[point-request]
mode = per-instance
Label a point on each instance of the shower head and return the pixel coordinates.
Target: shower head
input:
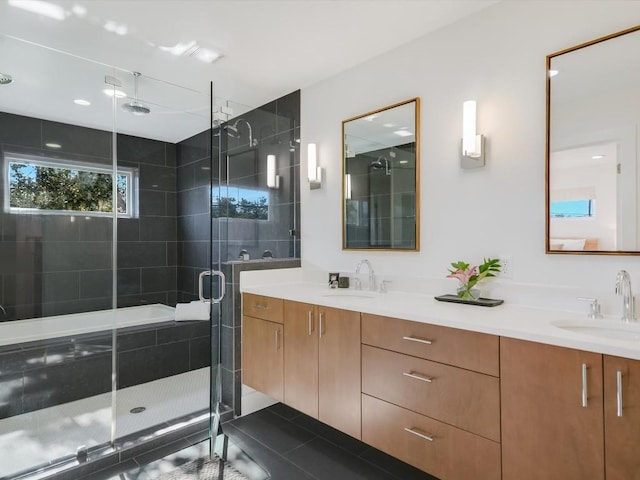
(5, 79)
(230, 129)
(381, 163)
(135, 107)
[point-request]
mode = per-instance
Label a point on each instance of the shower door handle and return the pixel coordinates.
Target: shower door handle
(211, 273)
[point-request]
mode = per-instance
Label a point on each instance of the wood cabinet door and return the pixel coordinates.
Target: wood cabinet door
(301, 357)
(340, 370)
(262, 356)
(622, 418)
(547, 432)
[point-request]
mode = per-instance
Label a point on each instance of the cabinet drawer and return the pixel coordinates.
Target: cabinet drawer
(266, 308)
(468, 400)
(470, 350)
(452, 454)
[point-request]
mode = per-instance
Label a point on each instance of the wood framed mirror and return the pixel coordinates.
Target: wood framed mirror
(592, 151)
(381, 179)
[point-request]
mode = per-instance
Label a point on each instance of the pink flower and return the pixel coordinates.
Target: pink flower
(464, 275)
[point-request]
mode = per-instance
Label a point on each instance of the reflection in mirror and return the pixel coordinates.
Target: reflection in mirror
(593, 114)
(381, 179)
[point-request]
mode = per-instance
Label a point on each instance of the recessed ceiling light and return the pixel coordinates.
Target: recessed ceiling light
(39, 7)
(205, 55)
(79, 10)
(370, 118)
(115, 27)
(53, 145)
(114, 93)
(389, 125)
(404, 161)
(84, 103)
(597, 157)
(553, 73)
(403, 133)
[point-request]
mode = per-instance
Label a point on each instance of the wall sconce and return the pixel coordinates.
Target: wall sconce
(472, 143)
(314, 173)
(273, 180)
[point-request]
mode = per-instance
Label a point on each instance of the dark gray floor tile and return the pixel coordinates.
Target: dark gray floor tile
(392, 465)
(342, 440)
(112, 473)
(273, 430)
(284, 411)
(325, 461)
(274, 464)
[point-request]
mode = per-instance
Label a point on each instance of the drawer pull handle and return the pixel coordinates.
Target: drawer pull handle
(585, 386)
(310, 322)
(619, 393)
(419, 340)
(419, 434)
(260, 307)
(418, 376)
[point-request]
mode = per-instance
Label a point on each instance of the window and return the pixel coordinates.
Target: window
(572, 209)
(56, 186)
(239, 202)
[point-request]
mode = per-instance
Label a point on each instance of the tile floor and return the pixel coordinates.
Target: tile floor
(280, 443)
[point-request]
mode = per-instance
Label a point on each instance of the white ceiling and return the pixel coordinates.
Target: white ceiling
(270, 48)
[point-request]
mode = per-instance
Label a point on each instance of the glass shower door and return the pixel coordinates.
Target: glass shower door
(57, 254)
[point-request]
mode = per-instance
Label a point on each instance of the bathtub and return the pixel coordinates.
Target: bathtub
(20, 331)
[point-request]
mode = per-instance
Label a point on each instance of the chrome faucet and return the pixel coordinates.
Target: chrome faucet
(623, 287)
(372, 275)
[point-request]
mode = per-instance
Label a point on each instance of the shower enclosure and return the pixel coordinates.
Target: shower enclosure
(105, 227)
(122, 197)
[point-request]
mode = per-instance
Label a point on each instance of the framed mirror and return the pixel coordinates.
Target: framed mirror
(592, 171)
(381, 179)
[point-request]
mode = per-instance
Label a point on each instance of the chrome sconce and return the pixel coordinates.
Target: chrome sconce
(314, 172)
(472, 143)
(273, 180)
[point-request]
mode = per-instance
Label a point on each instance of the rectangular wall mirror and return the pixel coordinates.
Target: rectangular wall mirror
(593, 122)
(381, 179)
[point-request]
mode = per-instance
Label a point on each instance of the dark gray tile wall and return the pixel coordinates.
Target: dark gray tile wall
(59, 264)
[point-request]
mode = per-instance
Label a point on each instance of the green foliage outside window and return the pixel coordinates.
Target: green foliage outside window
(67, 189)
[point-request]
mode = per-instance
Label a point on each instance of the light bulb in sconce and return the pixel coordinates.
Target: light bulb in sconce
(273, 180)
(347, 186)
(314, 172)
(472, 143)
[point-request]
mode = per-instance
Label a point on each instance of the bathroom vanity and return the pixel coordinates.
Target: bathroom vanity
(457, 391)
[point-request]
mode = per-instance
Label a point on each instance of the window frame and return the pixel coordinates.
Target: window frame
(130, 173)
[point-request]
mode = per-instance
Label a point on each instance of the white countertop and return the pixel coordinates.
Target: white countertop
(505, 320)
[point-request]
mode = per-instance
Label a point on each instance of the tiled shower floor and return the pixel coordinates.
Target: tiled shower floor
(38, 437)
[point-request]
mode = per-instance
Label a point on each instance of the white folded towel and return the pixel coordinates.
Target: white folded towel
(195, 310)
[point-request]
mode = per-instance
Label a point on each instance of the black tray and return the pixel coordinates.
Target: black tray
(483, 302)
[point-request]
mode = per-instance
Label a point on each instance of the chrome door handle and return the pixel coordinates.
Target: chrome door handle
(310, 322)
(419, 434)
(277, 339)
(419, 340)
(321, 327)
(585, 386)
(211, 273)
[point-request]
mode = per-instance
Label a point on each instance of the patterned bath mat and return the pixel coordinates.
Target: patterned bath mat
(204, 469)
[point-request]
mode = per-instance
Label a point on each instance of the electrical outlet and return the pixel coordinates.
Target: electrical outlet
(506, 263)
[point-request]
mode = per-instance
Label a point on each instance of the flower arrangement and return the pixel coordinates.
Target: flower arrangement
(469, 276)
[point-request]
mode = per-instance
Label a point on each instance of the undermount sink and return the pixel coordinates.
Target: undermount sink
(612, 329)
